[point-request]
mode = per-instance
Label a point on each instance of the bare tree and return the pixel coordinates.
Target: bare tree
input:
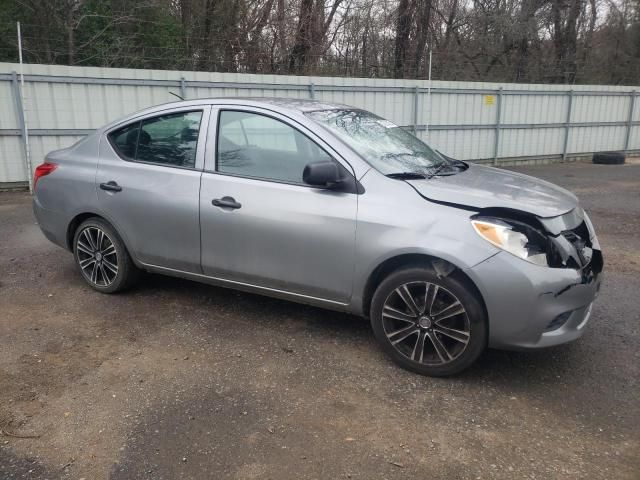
(565, 37)
(513, 40)
(403, 31)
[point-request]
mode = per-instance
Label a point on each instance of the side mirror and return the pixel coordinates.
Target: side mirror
(321, 174)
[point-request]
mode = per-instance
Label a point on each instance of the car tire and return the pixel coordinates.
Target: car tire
(102, 258)
(609, 158)
(441, 334)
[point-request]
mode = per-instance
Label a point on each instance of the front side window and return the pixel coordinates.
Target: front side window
(169, 139)
(255, 145)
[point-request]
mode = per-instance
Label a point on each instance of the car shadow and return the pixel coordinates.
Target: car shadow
(546, 379)
(495, 366)
(266, 311)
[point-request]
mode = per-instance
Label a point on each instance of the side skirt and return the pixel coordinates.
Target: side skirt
(247, 287)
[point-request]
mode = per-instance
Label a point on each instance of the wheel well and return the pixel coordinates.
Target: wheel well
(78, 219)
(75, 223)
(438, 265)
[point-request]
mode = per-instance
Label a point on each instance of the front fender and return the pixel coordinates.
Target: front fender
(401, 222)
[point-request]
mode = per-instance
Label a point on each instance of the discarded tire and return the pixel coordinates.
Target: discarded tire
(609, 158)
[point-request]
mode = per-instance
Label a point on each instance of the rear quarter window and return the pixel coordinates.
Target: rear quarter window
(125, 140)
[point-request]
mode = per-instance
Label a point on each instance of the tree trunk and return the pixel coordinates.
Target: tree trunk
(403, 29)
(71, 44)
(204, 61)
(185, 22)
(253, 50)
(231, 36)
(588, 42)
(565, 38)
(282, 37)
(422, 33)
(526, 32)
(302, 44)
(365, 41)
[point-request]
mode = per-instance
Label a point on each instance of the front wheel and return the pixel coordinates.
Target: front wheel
(102, 257)
(431, 325)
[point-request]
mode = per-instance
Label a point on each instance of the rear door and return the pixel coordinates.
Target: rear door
(261, 225)
(148, 185)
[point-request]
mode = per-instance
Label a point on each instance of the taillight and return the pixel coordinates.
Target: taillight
(42, 171)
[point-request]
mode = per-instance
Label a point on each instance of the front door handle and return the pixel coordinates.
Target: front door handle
(226, 202)
(111, 186)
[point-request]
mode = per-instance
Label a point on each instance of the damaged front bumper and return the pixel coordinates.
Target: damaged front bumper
(531, 306)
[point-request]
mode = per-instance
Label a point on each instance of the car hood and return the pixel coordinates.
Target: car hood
(487, 187)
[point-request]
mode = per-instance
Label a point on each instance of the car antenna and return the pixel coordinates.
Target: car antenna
(176, 95)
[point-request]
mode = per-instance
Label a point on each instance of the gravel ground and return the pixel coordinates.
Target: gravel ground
(180, 380)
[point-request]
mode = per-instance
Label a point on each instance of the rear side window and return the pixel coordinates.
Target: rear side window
(165, 140)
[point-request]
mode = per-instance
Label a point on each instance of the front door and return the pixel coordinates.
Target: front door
(148, 184)
(261, 225)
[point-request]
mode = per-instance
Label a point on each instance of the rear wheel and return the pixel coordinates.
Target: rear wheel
(431, 325)
(102, 257)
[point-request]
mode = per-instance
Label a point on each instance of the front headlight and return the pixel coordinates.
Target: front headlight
(505, 236)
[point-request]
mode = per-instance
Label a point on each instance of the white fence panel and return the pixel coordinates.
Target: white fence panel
(12, 164)
(536, 109)
(471, 121)
(531, 142)
(463, 144)
(461, 109)
(588, 139)
(8, 119)
(600, 108)
(634, 139)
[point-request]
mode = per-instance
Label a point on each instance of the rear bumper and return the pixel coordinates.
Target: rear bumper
(523, 300)
(52, 224)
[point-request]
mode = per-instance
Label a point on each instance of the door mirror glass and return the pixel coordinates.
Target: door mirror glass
(321, 174)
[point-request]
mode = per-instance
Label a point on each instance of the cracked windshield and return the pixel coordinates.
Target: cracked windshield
(387, 147)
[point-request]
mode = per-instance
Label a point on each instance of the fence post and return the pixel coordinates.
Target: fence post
(312, 91)
(632, 103)
(496, 144)
(17, 96)
(567, 126)
(416, 100)
(183, 88)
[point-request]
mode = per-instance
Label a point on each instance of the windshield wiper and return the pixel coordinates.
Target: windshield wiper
(435, 171)
(406, 175)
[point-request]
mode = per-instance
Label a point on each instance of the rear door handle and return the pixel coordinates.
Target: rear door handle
(226, 202)
(111, 186)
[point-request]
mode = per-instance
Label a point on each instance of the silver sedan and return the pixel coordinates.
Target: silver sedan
(333, 206)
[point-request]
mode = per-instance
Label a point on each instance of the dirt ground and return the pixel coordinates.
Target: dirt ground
(180, 380)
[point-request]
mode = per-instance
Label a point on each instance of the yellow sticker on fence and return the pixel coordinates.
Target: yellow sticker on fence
(489, 99)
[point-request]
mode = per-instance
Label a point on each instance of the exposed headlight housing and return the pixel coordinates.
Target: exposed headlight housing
(516, 238)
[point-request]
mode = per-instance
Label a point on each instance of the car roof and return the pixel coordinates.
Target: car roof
(282, 105)
(298, 104)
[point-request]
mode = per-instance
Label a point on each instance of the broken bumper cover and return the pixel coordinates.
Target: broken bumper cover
(531, 306)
